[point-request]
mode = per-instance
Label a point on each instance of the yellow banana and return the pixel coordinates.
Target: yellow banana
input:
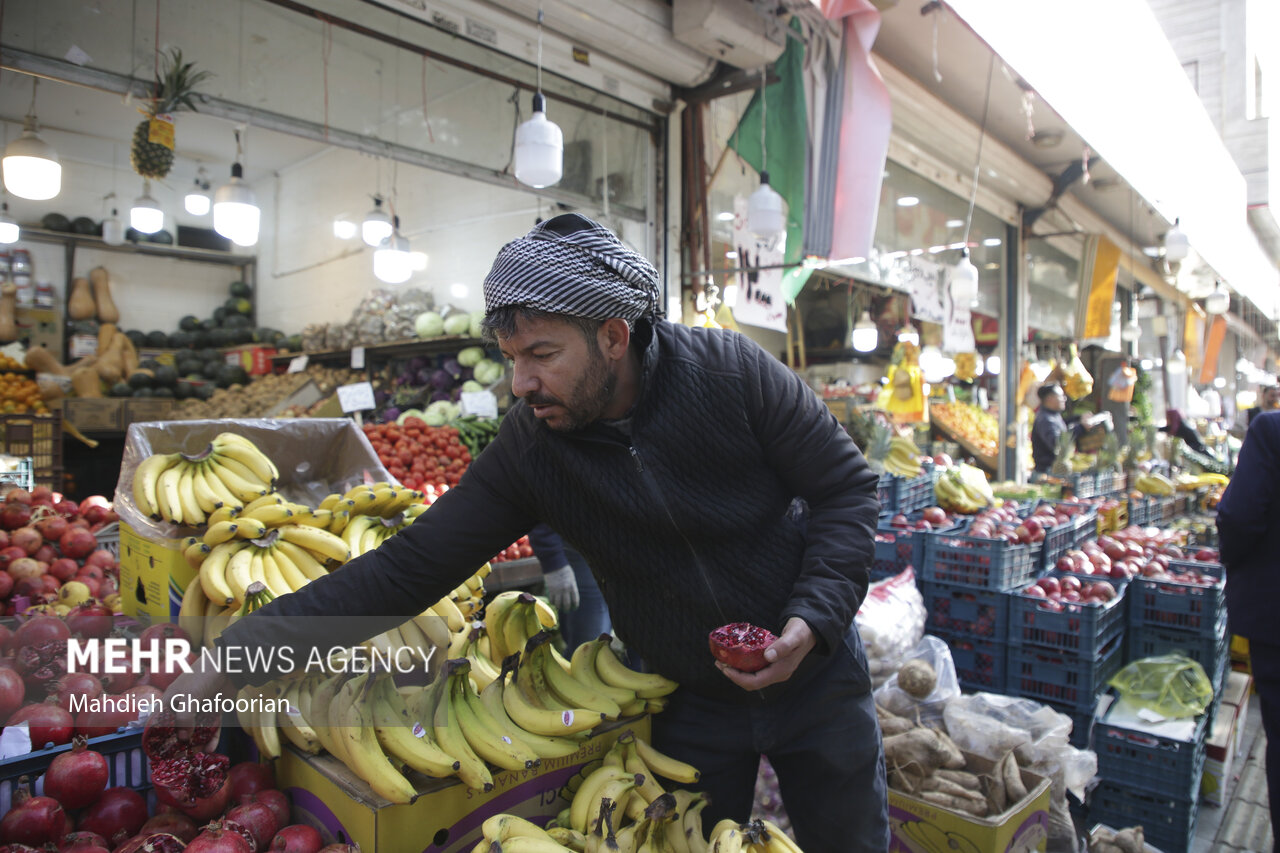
(192, 612)
(612, 671)
(195, 552)
(145, 481)
(452, 740)
(302, 558)
(225, 497)
(501, 827)
(275, 579)
(586, 802)
(330, 501)
(244, 489)
(368, 761)
(168, 501)
(319, 541)
(219, 532)
(544, 746)
(239, 574)
(206, 498)
(226, 512)
(485, 739)
(289, 570)
(582, 666)
(666, 766)
(566, 688)
(273, 515)
(543, 721)
(244, 451)
(213, 573)
(293, 723)
(405, 738)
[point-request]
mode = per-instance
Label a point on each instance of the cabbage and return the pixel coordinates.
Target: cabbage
(471, 385)
(428, 324)
(457, 324)
(469, 356)
(488, 372)
(477, 329)
(440, 413)
(410, 413)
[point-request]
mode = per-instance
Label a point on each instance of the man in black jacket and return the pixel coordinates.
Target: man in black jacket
(703, 482)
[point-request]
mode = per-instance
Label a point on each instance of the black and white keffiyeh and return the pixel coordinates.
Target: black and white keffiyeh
(572, 265)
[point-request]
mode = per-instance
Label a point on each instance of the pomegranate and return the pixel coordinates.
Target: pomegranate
(109, 586)
(172, 823)
(102, 558)
(25, 568)
(65, 508)
(32, 820)
(119, 682)
(41, 665)
(95, 589)
(14, 513)
(277, 801)
(32, 588)
(131, 845)
(82, 685)
(95, 573)
(160, 737)
(48, 723)
(18, 848)
(298, 838)
(27, 538)
(51, 586)
(249, 777)
(95, 508)
(341, 848)
(162, 842)
(12, 691)
(77, 543)
(51, 527)
(41, 495)
(105, 722)
(191, 780)
(81, 840)
(90, 620)
(77, 777)
(163, 676)
(217, 837)
(116, 815)
(41, 629)
(6, 585)
(158, 634)
(258, 819)
(741, 645)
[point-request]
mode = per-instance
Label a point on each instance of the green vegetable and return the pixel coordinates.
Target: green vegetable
(457, 323)
(428, 324)
(410, 413)
(440, 413)
(471, 385)
(477, 327)
(487, 372)
(470, 356)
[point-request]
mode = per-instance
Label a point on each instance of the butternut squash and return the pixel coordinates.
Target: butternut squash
(8, 313)
(85, 382)
(41, 360)
(80, 301)
(106, 333)
(110, 363)
(107, 311)
(129, 353)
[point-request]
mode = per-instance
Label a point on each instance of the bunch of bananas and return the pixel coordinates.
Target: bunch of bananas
(1190, 482)
(1155, 484)
(186, 489)
(955, 493)
(966, 366)
(903, 458)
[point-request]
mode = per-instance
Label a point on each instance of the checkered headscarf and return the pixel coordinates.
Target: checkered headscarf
(571, 265)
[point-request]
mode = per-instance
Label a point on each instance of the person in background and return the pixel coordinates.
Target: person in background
(1175, 426)
(1249, 543)
(1050, 424)
(1268, 401)
(570, 587)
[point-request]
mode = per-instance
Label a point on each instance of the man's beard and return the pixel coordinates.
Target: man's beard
(588, 399)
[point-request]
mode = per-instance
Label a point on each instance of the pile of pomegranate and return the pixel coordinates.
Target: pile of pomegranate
(1060, 591)
(78, 813)
(1137, 551)
(1004, 523)
(49, 555)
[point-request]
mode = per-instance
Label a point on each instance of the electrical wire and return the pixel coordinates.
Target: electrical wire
(977, 164)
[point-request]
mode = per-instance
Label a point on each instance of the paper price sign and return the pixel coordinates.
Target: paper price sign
(479, 403)
(357, 358)
(298, 364)
(357, 397)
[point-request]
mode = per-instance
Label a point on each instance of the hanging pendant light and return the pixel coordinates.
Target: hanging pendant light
(1218, 302)
(8, 226)
(377, 224)
(766, 209)
(1176, 244)
(197, 201)
(146, 215)
(908, 335)
(113, 229)
(866, 336)
(1131, 330)
(31, 167)
(964, 280)
(235, 208)
(392, 261)
(539, 154)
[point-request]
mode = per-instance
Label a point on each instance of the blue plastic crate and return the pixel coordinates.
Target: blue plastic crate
(962, 609)
(990, 563)
(1060, 677)
(896, 549)
(1081, 722)
(1082, 628)
(1066, 537)
(1174, 605)
(1210, 652)
(126, 763)
(1083, 484)
(1139, 514)
(1168, 823)
(902, 494)
(981, 664)
(1149, 762)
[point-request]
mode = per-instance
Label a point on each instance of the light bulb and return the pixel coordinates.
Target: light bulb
(344, 229)
(8, 226)
(1177, 364)
(964, 280)
(539, 159)
(1217, 302)
(197, 201)
(909, 335)
(866, 336)
(932, 364)
(113, 229)
(1176, 244)
(146, 215)
(31, 166)
(993, 365)
(1131, 330)
(377, 225)
(235, 210)
(766, 214)
(392, 261)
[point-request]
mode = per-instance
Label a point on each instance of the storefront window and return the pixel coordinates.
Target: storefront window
(1053, 289)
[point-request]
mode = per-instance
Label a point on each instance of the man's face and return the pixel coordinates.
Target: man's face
(564, 378)
(1056, 401)
(1271, 398)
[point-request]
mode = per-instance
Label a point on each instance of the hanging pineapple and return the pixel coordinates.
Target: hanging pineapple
(152, 151)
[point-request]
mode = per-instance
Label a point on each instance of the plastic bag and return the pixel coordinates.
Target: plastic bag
(1120, 385)
(937, 654)
(1171, 685)
(1076, 381)
(891, 623)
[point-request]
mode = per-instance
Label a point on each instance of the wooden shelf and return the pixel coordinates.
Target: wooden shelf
(164, 250)
(391, 349)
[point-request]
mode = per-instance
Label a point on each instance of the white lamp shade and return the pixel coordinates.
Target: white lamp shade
(1177, 363)
(113, 230)
(392, 261)
(932, 365)
(146, 215)
(31, 166)
(197, 203)
(866, 337)
(964, 281)
(909, 335)
(376, 226)
(1176, 244)
(766, 210)
(235, 212)
(1217, 302)
(8, 227)
(1131, 331)
(539, 148)
(993, 365)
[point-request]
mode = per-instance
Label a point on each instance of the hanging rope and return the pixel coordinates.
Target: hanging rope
(539, 47)
(977, 161)
(764, 120)
(425, 117)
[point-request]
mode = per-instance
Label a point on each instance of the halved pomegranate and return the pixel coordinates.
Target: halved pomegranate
(741, 645)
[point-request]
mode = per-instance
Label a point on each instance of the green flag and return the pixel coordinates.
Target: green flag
(786, 121)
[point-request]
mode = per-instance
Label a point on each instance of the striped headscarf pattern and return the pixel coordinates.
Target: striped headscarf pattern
(574, 266)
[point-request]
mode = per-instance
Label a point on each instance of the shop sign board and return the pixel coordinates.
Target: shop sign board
(760, 298)
(923, 279)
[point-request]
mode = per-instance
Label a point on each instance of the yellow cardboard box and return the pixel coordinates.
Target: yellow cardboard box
(153, 576)
(1219, 756)
(447, 816)
(917, 825)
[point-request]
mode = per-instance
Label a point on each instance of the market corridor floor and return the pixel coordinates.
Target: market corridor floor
(1244, 823)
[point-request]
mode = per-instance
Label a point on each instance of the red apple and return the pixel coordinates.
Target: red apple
(935, 515)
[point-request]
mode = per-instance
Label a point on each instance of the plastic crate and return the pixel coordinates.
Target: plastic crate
(108, 537)
(1209, 652)
(1061, 677)
(1164, 508)
(1176, 605)
(896, 549)
(126, 763)
(1168, 823)
(902, 494)
(990, 563)
(1116, 518)
(1082, 628)
(1149, 762)
(981, 664)
(21, 475)
(1139, 511)
(38, 437)
(963, 609)
(1083, 484)
(1110, 482)
(1065, 537)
